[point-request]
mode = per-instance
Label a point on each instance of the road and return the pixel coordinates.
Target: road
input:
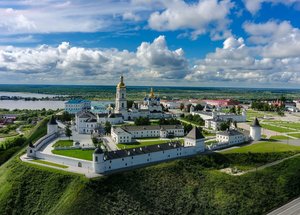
(291, 208)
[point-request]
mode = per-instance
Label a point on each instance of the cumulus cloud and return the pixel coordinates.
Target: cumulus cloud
(255, 5)
(67, 64)
(23, 16)
(200, 17)
(238, 63)
(280, 39)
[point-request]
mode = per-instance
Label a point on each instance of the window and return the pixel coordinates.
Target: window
(96, 158)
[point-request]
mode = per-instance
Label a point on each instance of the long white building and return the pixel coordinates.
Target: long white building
(220, 115)
(126, 134)
(77, 105)
(105, 162)
(86, 122)
(116, 160)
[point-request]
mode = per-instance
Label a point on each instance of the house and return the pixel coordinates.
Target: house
(77, 105)
(125, 134)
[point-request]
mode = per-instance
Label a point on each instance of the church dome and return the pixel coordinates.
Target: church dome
(121, 84)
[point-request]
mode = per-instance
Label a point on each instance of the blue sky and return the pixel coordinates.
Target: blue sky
(253, 43)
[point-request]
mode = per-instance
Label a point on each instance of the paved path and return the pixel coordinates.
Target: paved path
(18, 130)
(87, 172)
(291, 208)
(109, 143)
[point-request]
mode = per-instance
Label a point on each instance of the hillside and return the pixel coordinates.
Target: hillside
(179, 187)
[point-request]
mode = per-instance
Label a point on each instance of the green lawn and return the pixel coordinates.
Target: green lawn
(62, 143)
(297, 135)
(144, 143)
(264, 147)
(279, 137)
(76, 153)
(276, 128)
(50, 163)
(9, 134)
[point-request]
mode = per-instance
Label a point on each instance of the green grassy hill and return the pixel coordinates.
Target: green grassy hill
(186, 186)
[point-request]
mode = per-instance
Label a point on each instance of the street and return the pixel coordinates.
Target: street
(291, 208)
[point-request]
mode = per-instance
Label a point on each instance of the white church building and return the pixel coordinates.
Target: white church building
(126, 134)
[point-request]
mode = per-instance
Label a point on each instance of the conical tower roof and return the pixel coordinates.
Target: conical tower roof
(121, 84)
(255, 123)
(195, 134)
(98, 150)
(52, 121)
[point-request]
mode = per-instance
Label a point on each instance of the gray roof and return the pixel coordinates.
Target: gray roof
(151, 127)
(255, 123)
(98, 150)
(86, 114)
(52, 121)
(195, 134)
(230, 133)
(142, 150)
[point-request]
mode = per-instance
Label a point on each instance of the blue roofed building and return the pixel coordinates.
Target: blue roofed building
(77, 105)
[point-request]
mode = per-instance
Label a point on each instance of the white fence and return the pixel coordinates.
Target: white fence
(66, 161)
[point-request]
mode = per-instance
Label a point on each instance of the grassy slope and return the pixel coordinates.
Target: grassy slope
(265, 147)
(178, 187)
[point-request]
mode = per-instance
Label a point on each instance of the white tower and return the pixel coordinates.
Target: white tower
(196, 139)
(255, 130)
(52, 126)
(121, 102)
(98, 161)
(244, 114)
(192, 109)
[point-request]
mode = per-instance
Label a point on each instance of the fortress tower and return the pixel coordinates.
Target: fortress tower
(52, 126)
(255, 130)
(121, 102)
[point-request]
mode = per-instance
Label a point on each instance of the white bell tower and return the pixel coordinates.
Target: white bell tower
(121, 102)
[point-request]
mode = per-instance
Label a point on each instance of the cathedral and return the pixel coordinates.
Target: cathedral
(150, 107)
(87, 121)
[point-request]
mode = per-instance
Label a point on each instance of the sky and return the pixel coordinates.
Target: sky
(225, 43)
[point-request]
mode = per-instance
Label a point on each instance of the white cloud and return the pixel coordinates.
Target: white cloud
(50, 16)
(66, 64)
(280, 39)
(242, 65)
(201, 17)
(255, 5)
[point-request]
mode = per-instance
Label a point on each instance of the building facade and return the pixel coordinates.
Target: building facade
(126, 134)
(116, 160)
(77, 105)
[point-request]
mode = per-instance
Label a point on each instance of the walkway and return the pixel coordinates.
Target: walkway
(109, 143)
(291, 208)
(83, 171)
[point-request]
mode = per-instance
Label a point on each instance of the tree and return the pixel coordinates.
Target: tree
(239, 109)
(198, 107)
(232, 109)
(68, 131)
(107, 127)
(181, 107)
(224, 126)
(142, 121)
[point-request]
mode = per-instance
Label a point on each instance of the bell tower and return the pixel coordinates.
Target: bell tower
(121, 102)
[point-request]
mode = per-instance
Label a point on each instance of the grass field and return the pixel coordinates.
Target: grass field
(264, 147)
(279, 137)
(251, 114)
(76, 153)
(62, 143)
(49, 163)
(142, 143)
(276, 128)
(297, 135)
(9, 134)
